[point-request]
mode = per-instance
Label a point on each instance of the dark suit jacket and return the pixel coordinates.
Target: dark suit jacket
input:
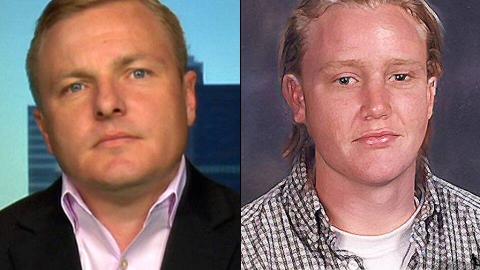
(36, 234)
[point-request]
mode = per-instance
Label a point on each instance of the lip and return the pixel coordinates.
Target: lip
(115, 140)
(378, 139)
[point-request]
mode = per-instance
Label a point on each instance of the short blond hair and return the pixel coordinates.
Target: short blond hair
(58, 10)
(292, 49)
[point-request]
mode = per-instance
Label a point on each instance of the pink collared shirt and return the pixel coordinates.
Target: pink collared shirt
(96, 245)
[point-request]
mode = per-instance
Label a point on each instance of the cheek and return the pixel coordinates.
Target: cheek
(67, 130)
(159, 113)
(413, 110)
(66, 137)
(70, 124)
(330, 119)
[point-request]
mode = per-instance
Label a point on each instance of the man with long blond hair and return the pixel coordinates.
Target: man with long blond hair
(360, 78)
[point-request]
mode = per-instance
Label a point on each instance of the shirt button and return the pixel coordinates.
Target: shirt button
(124, 264)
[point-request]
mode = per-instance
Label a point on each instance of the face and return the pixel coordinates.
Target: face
(115, 110)
(364, 94)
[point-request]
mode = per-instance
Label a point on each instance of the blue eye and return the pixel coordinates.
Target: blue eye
(139, 73)
(76, 87)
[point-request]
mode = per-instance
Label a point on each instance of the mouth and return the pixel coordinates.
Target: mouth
(115, 140)
(378, 139)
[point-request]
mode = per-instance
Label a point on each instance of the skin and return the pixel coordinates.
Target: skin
(365, 99)
(115, 110)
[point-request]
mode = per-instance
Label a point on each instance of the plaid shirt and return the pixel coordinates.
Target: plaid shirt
(287, 228)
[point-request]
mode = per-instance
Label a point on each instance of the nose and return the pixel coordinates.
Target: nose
(109, 101)
(375, 102)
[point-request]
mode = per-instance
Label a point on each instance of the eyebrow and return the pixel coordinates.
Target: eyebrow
(360, 63)
(406, 62)
(341, 63)
(127, 60)
(118, 64)
(78, 73)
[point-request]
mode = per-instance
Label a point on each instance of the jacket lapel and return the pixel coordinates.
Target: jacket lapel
(198, 239)
(44, 239)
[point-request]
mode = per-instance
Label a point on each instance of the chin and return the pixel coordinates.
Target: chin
(381, 174)
(116, 175)
(117, 181)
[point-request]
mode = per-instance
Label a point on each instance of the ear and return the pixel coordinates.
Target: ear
(431, 91)
(41, 124)
(189, 82)
(293, 93)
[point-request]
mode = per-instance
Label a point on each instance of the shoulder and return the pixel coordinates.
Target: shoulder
(200, 188)
(207, 219)
(30, 210)
(266, 205)
(454, 225)
(211, 203)
(294, 192)
(260, 222)
(459, 213)
(28, 207)
(450, 195)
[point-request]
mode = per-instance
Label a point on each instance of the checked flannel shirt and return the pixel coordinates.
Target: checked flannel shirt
(287, 228)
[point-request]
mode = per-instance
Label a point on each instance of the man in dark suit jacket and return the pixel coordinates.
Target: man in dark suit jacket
(114, 105)
(36, 234)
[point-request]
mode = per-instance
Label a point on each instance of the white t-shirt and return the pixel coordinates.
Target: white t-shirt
(380, 252)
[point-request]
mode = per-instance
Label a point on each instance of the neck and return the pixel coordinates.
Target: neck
(365, 209)
(123, 211)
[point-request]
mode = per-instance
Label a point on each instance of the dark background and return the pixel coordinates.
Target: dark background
(266, 121)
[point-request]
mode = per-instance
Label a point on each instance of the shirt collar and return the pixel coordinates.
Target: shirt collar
(429, 219)
(311, 223)
(307, 215)
(171, 195)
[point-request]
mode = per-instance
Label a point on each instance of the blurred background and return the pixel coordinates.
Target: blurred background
(213, 40)
(266, 121)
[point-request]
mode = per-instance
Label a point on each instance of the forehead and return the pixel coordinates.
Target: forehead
(92, 39)
(362, 33)
(111, 20)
